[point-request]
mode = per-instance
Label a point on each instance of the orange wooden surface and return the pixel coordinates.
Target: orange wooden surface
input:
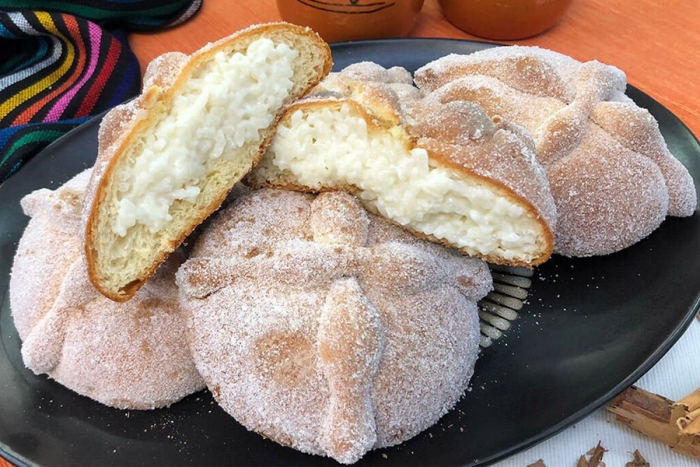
(656, 43)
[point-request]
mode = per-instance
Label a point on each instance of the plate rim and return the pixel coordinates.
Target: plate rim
(670, 340)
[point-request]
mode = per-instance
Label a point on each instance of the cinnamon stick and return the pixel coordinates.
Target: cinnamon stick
(691, 401)
(676, 424)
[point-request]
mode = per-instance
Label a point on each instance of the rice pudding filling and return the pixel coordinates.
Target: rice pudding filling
(222, 106)
(330, 148)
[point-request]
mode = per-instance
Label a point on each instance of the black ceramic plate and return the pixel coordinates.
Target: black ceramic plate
(590, 328)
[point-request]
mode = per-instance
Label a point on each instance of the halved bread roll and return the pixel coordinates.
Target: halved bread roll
(611, 173)
(168, 159)
(450, 174)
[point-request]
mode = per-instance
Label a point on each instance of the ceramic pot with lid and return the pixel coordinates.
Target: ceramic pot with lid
(504, 19)
(346, 20)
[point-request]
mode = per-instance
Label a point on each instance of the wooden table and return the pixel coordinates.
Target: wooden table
(654, 42)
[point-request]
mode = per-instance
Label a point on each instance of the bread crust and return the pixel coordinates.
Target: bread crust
(338, 347)
(598, 147)
(454, 158)
(127, 355)
(123, 126)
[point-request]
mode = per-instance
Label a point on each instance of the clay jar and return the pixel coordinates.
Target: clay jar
(345, 20)
(504, 19)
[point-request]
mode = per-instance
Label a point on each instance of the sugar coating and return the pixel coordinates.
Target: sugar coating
(224, 105)
(639, 207)
(130, 356)
(326, 328)
(612, 175)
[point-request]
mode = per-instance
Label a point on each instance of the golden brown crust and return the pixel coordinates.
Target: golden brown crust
(95, 194)
(509, 169)
(124, 125)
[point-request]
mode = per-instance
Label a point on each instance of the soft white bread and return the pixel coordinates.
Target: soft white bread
(449, 173)
(168, 158)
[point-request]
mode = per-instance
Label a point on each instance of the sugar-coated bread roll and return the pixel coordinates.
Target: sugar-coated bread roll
(612, 176)
(130, 356)
(448, 173)
(328, 329)
(168, 158)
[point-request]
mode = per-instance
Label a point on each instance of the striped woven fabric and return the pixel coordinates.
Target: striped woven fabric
(59, 68)
(135, 15)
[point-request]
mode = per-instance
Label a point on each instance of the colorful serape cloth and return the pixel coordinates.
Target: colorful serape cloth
(62, 62)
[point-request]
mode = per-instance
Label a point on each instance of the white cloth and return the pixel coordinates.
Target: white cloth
(675, 376)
